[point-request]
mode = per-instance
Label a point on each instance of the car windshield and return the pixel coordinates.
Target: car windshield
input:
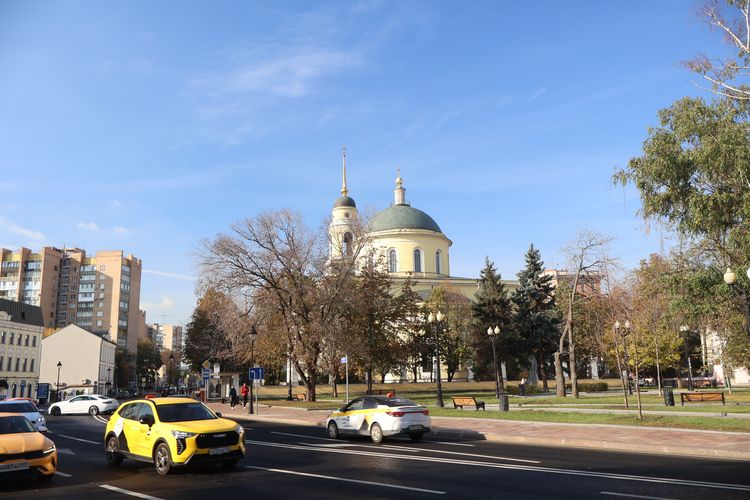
(15, 425)
(18, 407)
(184, 412)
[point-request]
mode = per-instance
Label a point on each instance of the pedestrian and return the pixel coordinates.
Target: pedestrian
(522, 387)
(244, 391)
(232, 396)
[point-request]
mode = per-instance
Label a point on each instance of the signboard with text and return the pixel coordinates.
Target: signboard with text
(255, 373)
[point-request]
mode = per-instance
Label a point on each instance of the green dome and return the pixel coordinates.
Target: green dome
(403, 217)
(345, 201)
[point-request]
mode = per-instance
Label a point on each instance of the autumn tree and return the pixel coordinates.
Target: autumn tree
(413, 340)
(455, 346)
(148, 361)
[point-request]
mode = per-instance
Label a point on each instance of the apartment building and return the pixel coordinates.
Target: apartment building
(100, 292)
(20, 348)
(167, 336)
(589, 283)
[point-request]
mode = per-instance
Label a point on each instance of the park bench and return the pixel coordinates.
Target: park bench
(692, 397)
(461, 401)
(301, 396)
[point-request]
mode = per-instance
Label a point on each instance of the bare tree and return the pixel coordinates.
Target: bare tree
(727, 76)
(587, 255)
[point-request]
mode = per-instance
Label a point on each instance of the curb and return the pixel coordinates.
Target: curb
(592, 444)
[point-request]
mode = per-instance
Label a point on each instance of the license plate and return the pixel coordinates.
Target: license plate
(14, 466)
(415, 427)
(218, 451)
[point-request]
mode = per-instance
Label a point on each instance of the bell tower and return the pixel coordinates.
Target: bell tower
(343, 217)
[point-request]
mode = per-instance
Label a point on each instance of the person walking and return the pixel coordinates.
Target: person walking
(244, 391)
(232, 397)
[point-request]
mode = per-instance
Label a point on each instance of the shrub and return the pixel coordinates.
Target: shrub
(591, 387)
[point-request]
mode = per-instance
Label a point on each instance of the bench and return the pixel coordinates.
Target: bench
(301, 396)
(692, 397)
(461, 401)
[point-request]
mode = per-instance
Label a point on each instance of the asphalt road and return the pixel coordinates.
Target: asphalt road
(285, 461)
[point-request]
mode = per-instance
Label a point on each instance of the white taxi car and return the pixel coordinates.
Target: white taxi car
(379, 417)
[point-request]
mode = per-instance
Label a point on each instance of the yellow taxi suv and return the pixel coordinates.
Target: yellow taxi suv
(172, 432)
(379, 417)
(24, 450)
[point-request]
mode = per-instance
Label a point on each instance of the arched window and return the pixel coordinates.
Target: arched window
(392, 263)
(417, 260)
(437, 262)
(348, 239)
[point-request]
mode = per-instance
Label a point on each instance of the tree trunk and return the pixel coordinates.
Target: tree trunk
(332, 381)
(572, 367)
(533, 378)
(545, 383)
(559, 377)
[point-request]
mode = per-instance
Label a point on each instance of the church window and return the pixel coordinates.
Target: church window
(437, 262)
(348, 238)
(392, 263)
(417, 260)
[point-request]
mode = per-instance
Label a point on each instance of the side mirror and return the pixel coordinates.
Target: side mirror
(147, 420)
(218, 414)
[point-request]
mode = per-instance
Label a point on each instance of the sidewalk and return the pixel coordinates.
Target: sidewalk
(659, 441)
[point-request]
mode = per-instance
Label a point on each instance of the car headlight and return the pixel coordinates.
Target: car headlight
(49, 450)
(41, 420)
(239, 429)
(182, 434)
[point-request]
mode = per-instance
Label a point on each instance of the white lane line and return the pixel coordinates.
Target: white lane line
(101, 419)
(516, 467)
(65, 451)
(474, 455)
(303, 436)
(401, 448)
(346, 480)
(128, 492)
(331, 445)
(63, 474)
(78, 439)
(615, 494)
(450, 444)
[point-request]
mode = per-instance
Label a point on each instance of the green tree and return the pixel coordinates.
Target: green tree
(148, 361)
(456, 337)
(536, 319)
(124, 368)
(491, 307)
(204, 338)
(414, 342)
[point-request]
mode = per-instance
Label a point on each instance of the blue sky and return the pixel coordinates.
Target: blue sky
(147, 126)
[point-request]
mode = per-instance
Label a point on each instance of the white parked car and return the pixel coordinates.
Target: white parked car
(26, 408)
(93, 404)
(379, 417)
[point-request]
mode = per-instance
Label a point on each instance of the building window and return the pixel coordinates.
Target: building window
(33, 341)
(25, 361)
(2, 338)
(417, 260)
(392, 262)
(10, 363)
(2, 359)
(32, 365)
(99, 323)
(348, 239)
(19, 339)
(99, 314)
(102, 267)
(437, 262)
(26, 342)
(18, 363)
(12, 338)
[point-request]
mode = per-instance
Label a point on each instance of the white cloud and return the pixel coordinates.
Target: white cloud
(116, 204)
(122, 231)
(537, 94)
(169, 275)
(166, 303)
(33, 236)
(89, 226)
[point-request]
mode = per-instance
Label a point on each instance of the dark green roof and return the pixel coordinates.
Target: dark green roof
(403, 217)
(345, 201)
(22, 313)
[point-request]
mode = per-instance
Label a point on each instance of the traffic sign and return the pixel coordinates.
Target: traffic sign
(206, 374)
(206, 364)
(255, 373)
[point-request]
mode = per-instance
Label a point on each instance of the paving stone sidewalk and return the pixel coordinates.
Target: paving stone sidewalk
(663, 441)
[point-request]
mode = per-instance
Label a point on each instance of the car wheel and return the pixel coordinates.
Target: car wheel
(228, 464)
(416, 436)
(162, 460)
(376, 434)
(333, 430)
(112, 450)
(56, 411)
(94, 411)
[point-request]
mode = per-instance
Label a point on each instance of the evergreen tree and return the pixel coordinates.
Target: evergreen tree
(491, 308)
(536, 318)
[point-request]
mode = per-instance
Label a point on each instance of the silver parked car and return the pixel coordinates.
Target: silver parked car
(26, 408)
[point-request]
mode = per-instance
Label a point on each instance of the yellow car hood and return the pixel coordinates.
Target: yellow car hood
(200, 426)
(23, 442)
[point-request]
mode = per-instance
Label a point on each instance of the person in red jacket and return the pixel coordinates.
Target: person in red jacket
(244, 390)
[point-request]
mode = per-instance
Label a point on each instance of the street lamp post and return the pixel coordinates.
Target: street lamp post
(436, 320)
(253, 334)
(619, 368)
(289, 373)
(684, 329)
(624, 334)
(108, 384)
(169, 378)
(57, 391)
(494, 334)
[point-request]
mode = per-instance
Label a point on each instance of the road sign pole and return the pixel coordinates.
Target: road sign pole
(347, 380)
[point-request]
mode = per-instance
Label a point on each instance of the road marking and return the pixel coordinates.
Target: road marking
(101, 419)
(346, 480)
(78, 439)
(65, 451)
(62, 474)
(401, 448)
(303, 436)
(128, 492)
(507, 459)
(449, 443)
(614, 494)
(516, 467)
(331, 445)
